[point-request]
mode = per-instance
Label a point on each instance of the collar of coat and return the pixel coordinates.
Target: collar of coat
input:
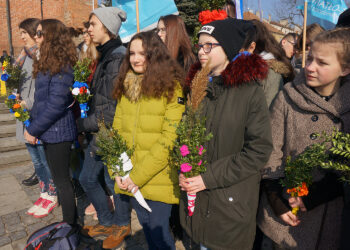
(245, 69)
(279, 67)
(306, 99)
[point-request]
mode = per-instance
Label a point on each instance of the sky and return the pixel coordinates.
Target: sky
(268, 7)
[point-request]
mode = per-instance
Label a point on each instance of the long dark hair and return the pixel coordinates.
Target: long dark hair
(266, 42)
(162, 72)
(177, 40)
(57, 51)
(29, 25)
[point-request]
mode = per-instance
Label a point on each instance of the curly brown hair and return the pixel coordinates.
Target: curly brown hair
(57, 51)
(162, 72)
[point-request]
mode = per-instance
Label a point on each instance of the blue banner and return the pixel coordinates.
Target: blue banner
(324, 12)
(149, 13)
(239, 8)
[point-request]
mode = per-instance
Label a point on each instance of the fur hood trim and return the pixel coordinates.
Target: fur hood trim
(245, 69)
(279, 67)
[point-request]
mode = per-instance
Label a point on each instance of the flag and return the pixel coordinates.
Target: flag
(324, 12)
(239, 8)
(149, 13)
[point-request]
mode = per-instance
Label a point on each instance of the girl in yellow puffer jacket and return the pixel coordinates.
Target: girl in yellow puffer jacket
(150, 104)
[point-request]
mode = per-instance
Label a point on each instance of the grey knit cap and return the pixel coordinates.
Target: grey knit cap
(111, 17)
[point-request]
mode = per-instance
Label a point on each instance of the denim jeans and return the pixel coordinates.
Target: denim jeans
(92, 168)
(155, 224)
(42, 170)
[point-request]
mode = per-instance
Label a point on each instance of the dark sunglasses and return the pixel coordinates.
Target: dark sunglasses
(39, 33)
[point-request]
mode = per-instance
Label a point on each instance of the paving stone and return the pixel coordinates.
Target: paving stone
(28, 220)
(7, 247)
(23, 212)
(4, 240)
(19, 244)
(35, 227)
(14, 228)
(18, 235)
(8, 216)
(15, 219)
(47, 218)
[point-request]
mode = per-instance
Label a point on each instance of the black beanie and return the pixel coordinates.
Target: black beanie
(230, 33)
(344, 19)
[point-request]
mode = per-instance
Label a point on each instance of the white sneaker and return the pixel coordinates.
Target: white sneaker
(37, 204)
(46, 207)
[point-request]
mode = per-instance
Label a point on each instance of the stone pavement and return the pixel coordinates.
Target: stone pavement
(16, 225)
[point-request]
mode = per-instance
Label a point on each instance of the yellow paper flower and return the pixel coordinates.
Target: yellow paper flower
(5, 63)
(17, 114)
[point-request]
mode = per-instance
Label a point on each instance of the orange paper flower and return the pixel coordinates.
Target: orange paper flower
(299, 191)
(16, 106)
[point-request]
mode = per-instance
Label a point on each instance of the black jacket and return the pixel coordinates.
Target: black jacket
(237, 115)
(102, 105)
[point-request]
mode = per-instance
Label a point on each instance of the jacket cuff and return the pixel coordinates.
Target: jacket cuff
(209, 179)
(273, 190)
(323, 191)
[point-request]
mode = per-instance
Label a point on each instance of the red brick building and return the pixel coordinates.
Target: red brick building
(71, 12)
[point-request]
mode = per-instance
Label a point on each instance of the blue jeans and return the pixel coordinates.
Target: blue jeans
(92, 168)
(155, 224)
(42, 170)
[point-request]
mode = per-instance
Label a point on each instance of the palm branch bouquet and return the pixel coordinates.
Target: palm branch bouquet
(188, 154)
(116, 155)
(298, 172)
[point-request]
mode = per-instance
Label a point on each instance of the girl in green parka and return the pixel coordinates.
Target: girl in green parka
(150, 104)
(237, 115)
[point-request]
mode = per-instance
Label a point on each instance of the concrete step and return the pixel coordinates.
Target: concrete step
(16, 165)
(7, 117)
(7, 130)
(14, 157)
(10, 144)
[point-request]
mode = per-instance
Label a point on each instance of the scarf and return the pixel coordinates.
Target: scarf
(132, 85)
(31, 52)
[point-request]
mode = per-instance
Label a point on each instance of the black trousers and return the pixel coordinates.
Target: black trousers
(58, 158)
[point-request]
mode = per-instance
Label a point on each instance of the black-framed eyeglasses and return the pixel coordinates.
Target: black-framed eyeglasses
(292, 43)
(39, 33)
(207, 47)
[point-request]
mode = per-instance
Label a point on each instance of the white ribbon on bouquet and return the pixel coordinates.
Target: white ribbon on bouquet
(127, 166)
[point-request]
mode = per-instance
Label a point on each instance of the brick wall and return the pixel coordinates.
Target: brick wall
(71, 12)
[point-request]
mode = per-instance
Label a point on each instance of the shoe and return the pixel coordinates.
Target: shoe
(46, 207)
(90, 210)
(97, 230)
(117, 236)
(31, 181)
(37, 204)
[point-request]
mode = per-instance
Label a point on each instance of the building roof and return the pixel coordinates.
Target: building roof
(251, 16)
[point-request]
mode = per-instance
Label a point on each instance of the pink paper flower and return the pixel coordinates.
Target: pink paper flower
(185, 167)
(200, 163)
(184, 150)
(200, 150)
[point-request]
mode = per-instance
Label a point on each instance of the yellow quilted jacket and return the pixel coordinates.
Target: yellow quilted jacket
(149, 124)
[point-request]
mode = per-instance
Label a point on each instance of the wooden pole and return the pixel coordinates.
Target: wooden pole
(304, 35)
(137, 16)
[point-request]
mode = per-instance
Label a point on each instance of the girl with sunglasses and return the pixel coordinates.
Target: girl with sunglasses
(52, 120)
(47, 200)
(237, 115)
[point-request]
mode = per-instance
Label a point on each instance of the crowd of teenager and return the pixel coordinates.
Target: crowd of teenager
(261, 106)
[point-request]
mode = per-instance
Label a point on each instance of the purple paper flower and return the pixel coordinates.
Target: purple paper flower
(184, 150)
(186, 167)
